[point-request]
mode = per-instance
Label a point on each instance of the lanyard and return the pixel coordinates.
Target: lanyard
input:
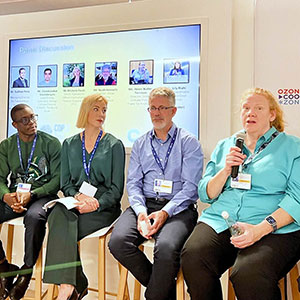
(30, 156)
(168, 152)
(261, 148)
(87, 167)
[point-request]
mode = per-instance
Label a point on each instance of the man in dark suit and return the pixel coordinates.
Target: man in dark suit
(21, 82)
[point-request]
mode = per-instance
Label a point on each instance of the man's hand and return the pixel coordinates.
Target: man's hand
(10, 199)
(159, 218)
(16, 203)
(143, 217)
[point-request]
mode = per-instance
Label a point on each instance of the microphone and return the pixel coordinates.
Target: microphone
(240, 137)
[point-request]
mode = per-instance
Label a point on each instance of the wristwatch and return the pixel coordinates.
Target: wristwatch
(272, 222)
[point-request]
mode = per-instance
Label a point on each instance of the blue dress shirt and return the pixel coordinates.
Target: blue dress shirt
(275, 183)
(184, 168)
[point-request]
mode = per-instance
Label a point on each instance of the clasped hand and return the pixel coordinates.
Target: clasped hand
(158, 219)
(86, 204)
(17, 204)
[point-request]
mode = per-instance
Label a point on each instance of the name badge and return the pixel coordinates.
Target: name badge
(163, 186)
(87, 189)
(23, 187)
(242, 181)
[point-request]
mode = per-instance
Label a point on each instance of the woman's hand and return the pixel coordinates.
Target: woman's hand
(216, 184)
(233, 158)
(251, 234)
(86, 204)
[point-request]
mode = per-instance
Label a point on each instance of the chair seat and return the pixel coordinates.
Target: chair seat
(101, 232)
(16, 222)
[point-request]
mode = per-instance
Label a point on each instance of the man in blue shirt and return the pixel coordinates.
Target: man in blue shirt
(165, 167)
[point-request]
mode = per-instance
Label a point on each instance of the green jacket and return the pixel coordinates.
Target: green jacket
(44, 170)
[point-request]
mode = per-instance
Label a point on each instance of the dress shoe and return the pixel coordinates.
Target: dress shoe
(7, 274)
(20, 286)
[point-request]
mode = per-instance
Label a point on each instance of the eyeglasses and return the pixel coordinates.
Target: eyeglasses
(26, 120)
(161, 108)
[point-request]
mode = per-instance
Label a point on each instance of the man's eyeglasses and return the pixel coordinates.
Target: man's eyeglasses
(161, 108)
(26, 120)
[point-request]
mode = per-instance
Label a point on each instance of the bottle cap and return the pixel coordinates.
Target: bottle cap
(225, 214)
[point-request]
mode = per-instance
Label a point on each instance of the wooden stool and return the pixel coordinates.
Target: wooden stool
(38, 295)
(180, 288)
(294, 274)
(101, 235)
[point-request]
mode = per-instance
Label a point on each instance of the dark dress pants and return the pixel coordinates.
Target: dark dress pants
(35, 219)
(66, 228)
(159, 277)
(256, 269)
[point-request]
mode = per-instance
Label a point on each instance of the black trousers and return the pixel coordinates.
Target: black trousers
(159, 277)
(66, 227)
(35, 219)
(256, 270)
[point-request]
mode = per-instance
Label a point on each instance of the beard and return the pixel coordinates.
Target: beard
(159, 124)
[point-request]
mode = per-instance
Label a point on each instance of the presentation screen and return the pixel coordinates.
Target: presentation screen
(54, 74)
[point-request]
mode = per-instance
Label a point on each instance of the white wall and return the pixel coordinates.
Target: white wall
(227, 67)
(216, 66)
(277, 48)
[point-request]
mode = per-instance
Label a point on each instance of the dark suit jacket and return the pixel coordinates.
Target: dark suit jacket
(18, 83)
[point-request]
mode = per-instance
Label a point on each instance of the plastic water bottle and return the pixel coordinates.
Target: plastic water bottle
(234, 229)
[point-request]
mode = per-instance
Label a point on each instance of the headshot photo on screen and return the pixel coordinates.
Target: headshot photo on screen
(73, 75)
(47, 76)
(106, 73)
(176, 71)
(141, 71)
(20, 77)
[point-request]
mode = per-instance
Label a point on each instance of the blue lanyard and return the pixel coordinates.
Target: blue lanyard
(261, 148)
(163, 168)
(30, 156)
(87, 167)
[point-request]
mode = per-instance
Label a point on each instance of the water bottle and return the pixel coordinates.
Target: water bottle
(234, 229)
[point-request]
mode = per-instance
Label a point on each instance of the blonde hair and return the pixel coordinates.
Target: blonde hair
(164, 92)
(278, 122)
(86, 106)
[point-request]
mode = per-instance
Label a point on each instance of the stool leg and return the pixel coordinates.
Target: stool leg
(101, 268)
(180, 286)
(137, 290)
(123, 287)
(38, 276)
(50, 291)
(230, 290)
(294, 274)
(10, 236)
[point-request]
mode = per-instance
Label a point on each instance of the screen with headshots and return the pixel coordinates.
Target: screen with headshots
(54, 74)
